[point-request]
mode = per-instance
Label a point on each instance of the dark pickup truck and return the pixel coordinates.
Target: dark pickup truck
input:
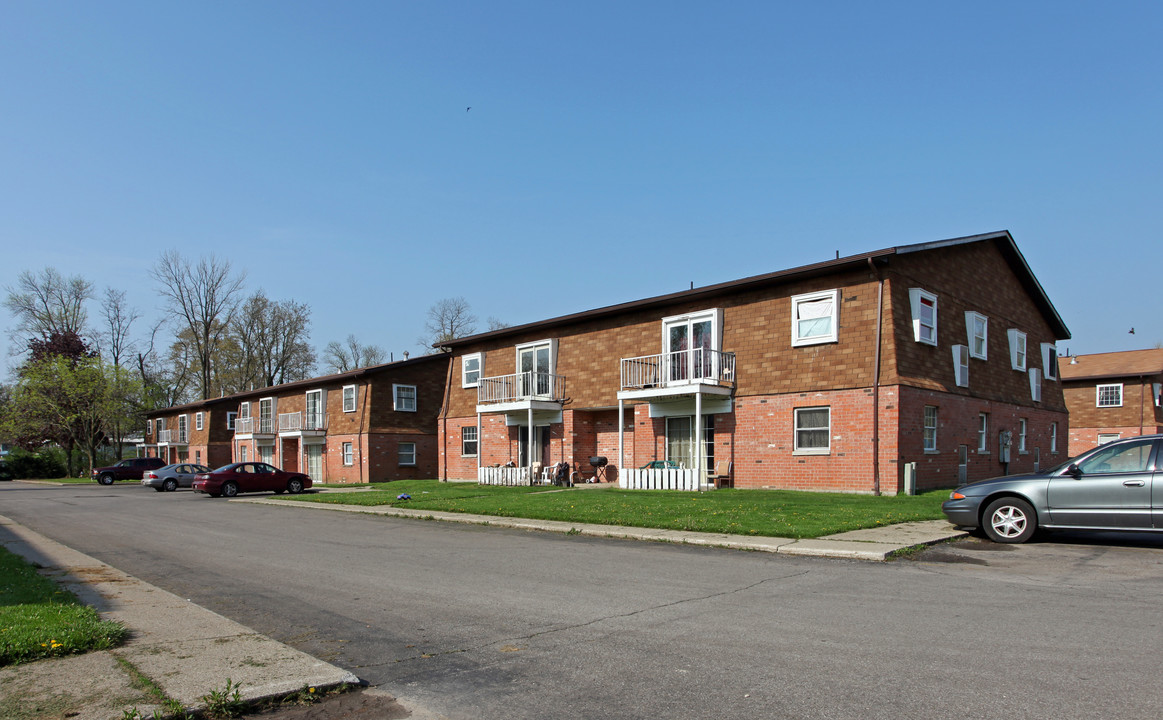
(131, 469)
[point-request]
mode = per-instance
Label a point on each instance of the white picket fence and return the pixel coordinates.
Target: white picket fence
(660, 479)
(503, 476)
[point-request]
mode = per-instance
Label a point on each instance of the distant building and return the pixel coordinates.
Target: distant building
(1113, 395)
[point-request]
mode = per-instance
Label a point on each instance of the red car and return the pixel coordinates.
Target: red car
(229, 480)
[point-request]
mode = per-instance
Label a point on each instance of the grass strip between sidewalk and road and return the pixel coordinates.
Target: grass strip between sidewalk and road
(771, 513)
(39, 619)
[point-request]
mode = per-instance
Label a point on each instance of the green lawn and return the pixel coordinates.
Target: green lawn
(39, 619)
(775, 513)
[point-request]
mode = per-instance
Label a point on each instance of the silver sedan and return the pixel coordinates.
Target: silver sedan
(172, 477)
(1116, 486)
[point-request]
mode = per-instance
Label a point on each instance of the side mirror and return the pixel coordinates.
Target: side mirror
(1074, 471)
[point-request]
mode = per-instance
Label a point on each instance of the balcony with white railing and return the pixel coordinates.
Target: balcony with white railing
(679, 373)
(521, 391)
(254, 426)
(302, 424)
(172, 437)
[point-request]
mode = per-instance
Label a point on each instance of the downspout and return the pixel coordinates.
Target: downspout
(444, 423)
(876, 381)
(364, 431)
(1142, 399)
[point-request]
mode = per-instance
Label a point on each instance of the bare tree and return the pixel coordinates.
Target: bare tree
(202, 298)
(272, 339)
(495, 324)
(341, 358)
(448, 319)
(117, 318)
(164, 382)
(47, 303)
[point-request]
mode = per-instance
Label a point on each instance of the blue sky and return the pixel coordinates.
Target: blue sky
(613, 151)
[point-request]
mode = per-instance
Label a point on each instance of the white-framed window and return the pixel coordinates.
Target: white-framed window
(404, 398)
(231, 416)
(348, 398)
(468, 440)
(961, 365)
(690, 343)
(1157, 389)
(1104, 438)
(815, 318)
(1050, 361)
(813, 431)
(266, 415)
(243, 411)
(161, 424)
(198, 419)
(348, 455)
(977, 330)
(1022, 427)
(1017, 349)
(924, 307)
(1053, 437)
(1109, 395)
(149, 427)
(930, 427)
(983, 432)
(471, 369)
(183, 428)
(242, 451)
(197, 457)
(407, 453)
(1035, 384)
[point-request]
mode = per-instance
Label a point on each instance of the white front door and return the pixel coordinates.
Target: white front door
(266, 453)
(535, 360)
(688, 344)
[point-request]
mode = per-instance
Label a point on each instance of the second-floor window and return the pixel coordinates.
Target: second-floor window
(1109, 395)
(230, 418)
(149, 427)
(977, 328)
(961, 365)
(924, 308)
(182, 427)
(1050, 361)
(404, 398)
(1017, 349)
(198, 421)
(470, 370)
(348, 398)
(815, 317)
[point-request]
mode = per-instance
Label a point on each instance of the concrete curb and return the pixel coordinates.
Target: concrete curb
(875, 544)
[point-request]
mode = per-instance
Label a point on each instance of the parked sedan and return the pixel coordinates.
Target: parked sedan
(229, 480)
(1107, 488)
(172, 477)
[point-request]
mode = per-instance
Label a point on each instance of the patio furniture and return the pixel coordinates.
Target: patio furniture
(722, 474)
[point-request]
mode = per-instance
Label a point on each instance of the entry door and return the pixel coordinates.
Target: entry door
(315, 462)
(535, 360)
(540, 444)
(680, 441)
(266, 453)
(688, 345)
(1113, 489)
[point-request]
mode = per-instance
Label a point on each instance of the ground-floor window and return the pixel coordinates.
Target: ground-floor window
(1054, 437)
(1022, 435)
(813, 430)
(930, 427)
(242, 449)
(266, 453)
(1104, 438)
(348, 456)
(982, 432)
(407, 453)
(198, 457)
(468, 440)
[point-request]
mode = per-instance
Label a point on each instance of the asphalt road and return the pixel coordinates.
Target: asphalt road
(473, 622)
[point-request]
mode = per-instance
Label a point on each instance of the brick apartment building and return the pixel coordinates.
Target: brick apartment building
(1113, 395)
(367, 425)
(832, 376)
(198, 432)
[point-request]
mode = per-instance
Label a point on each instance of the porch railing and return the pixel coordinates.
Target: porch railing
(678, 368)
(250, 425)
(658, 479)
(300, 421)
(521, 386)
(503, 476)
(171, 437)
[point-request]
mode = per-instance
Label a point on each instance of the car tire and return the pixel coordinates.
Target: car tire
(1009, 520)
(294, 486)
(105, 478)
(170, 485)
(229, 489)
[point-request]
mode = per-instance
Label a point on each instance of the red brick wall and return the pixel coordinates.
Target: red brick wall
(1138, 415)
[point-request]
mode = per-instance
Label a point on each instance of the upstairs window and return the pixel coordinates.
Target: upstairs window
(1050, 361)
(1109, 395)
(961, 365)
(470, 370)
(197, 421)
(1035, 384)
(404, 398)
(348, 398)
(815, 317)
(1017, 349)
(244, 411)
(924, 307)
(230, 417)
(149, 427)
(977, 328)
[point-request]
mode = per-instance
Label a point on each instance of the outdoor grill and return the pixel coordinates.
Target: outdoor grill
(598, 463)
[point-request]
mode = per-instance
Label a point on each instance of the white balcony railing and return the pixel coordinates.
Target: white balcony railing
(255, 426)
(521, 386)
(300, 421)
(171, 437)
(698, 365)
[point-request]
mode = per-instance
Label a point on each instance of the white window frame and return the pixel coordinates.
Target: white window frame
(402, 452)
(1098, 395)
(916, 298)
(1157, 389)
(198, 421)
(1104, 438)
(464, 441)
(1023, 427)
(244, 411)
(1035, 384)
(982, 433)
(1054, 438)
(1050, 361)
(929, 428)
(1019, 349)
(348, 453)
(354, 398)
(833, 335)
(242, 453)
(231, 416)
(961, 355)
(972, 321)
(796, 430)
(397, 405)
(479, 371)
(183, 428)
(149, 426)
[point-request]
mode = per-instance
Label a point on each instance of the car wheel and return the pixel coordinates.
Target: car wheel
(170, 485)
(1009, 520)
(105, 479)
(295, 486)
(229, 489)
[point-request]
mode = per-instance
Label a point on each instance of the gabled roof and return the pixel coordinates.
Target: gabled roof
(1129, 363)
(1002, 239)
